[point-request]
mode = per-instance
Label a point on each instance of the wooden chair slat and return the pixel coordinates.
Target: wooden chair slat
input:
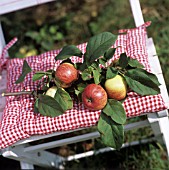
(14, 5)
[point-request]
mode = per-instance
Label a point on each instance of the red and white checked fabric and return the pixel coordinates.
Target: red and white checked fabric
(3, 58)
(19, 120)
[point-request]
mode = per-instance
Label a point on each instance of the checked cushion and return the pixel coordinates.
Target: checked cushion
(19, 120)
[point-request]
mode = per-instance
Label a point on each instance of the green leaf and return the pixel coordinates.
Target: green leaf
(142, 82)
(32, 34)
(48, 106)
(115, 110)
(87, 74)
(123, 60)
(38, 75)
(134, 63)
(111, 72)
(109, 54)
(77, 92)
(111, 134)
(80, 66)
(102, 61)
(45, 87)
(36, 106)
(152, 76)
(64, 99)
(68, 51)
(96, 75)
(95, 65)
(60, 100)
(80, 89)
(25, 70)
(98, 45)
(81, 86)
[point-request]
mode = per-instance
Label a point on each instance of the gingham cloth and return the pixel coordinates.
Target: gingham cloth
(19, 120)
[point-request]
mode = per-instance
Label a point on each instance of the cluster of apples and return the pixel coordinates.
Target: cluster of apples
(94, 96)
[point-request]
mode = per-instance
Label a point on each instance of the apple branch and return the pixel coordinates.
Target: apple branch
(17, 93)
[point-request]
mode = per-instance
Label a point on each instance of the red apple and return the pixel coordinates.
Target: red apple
(94, 97)
(66, 74)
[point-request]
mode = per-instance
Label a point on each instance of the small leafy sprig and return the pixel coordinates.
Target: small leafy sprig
(93, 69)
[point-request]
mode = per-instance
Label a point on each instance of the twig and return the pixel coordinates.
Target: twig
(17, 93)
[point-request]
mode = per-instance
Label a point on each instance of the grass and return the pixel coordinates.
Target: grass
(141, 157)
(59, 23)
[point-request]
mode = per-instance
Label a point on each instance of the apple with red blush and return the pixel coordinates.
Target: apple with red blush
(94, 97)
(66, 74)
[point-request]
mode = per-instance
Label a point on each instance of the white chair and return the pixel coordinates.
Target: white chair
(30, 155)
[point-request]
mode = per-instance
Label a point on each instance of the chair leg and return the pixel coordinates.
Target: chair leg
(28, 159)
(25, 165)
(160, 125)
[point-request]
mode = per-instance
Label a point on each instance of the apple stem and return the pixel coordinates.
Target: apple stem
(89, 100)
(17, 93)
(122, 73)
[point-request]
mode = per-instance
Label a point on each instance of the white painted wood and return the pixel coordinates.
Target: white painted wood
(41, 158)
(46, 159)
(107, 149)
(159, 122)
(163, 113)
(155, 65)
(3, 82)
(25, 165)
(163, 89)
(151, 47)
(7, 6)
(152, 57)
(160, 126)
(2, 40)
(137, 12)
(80, 138)
(3, 77)
(136, 125)
(156, 69)
(62, 142)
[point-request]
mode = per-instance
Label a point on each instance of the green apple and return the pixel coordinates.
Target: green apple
(116, 87)
(51, 91)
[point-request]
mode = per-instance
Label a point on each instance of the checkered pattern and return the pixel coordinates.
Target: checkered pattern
(19, 120)
(3, 57)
